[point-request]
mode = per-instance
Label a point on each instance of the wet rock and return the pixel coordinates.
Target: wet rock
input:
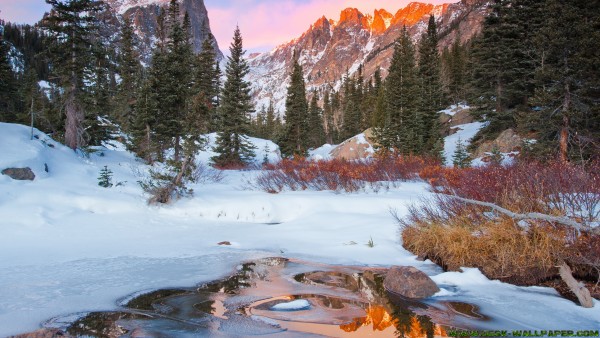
(21, 174)
(224, 243)
(44, 333)
(409, 282)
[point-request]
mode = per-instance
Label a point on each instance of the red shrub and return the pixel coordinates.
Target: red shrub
(551, 188)
(339, 175)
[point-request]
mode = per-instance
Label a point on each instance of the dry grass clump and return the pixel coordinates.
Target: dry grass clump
(456, 234)
(498, 247)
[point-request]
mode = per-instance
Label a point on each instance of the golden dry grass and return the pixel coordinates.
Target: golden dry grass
(499, 248)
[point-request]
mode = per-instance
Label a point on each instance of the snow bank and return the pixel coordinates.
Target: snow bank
(262, 147)
(321, 153)
(514, 307)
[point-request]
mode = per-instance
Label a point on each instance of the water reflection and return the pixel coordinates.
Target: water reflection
(344, 302)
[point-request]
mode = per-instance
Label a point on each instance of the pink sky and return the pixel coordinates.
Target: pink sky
(264, 23)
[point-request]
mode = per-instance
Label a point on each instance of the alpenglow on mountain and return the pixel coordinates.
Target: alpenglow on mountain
(330, 49)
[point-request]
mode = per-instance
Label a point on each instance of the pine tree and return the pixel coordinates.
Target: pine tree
(502, 62)
(496, 156)
(206, 87)
(73, 25)
(461, 158)
(235, 106)
(294, 140)
(351, 115)
(328, 118)
(271, 122)
(567, 116)
(379, 114)
(403, 129)
(8, 83)
(144, 121)
(429, 73)
(454, 65)
(130, 72)
(105, 178)
(316, 134)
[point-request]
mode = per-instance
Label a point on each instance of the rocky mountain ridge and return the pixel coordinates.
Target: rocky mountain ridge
(329, 49)
(143, 14)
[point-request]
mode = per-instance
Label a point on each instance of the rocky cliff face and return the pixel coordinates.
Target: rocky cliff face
(143, 14)
(329, 49)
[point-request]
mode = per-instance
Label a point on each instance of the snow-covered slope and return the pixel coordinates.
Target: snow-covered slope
(68, 245)
(464, 133)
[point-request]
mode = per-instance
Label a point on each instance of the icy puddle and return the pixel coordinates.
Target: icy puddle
(281, 297)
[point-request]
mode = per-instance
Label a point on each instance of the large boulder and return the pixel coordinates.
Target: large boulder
(508, 141)
(409, 282)
(355, 148)
(21, 174)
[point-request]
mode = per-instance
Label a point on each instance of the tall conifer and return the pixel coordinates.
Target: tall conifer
(294, 140)
(235, 107)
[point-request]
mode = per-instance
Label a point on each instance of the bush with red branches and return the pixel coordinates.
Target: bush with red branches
(338, 174)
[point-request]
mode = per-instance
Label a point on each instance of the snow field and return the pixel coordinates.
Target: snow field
(68, 245)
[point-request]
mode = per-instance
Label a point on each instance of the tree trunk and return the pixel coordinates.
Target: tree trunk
(564, 140)
(74, 115)
(564, 132)
(582, 293)
(74, 121)
(148, 145)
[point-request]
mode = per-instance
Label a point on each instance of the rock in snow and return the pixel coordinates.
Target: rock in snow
(410, 282)
(21, 174)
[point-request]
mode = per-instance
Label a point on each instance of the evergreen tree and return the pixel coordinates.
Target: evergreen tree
(454, 65)
(145, 119)
(352, 115)
(403, 129)
(272, 124)
(235, 105)
(379, 114)
(502, 62)
(461, 158)
(130, 72)
(206, 87)
(294, 140)
(429, 73)
(105, 178)
(567, 113)
(8, 83)
(328, 118)
(73, 25)
(496, 156)
(316, 134)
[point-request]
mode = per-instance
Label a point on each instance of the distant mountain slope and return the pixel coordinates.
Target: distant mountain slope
(143, 13)
(329, 48)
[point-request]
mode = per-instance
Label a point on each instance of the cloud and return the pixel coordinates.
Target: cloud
(268, 23)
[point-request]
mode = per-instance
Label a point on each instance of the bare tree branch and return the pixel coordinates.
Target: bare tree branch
(579, 289)
(530, 215)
